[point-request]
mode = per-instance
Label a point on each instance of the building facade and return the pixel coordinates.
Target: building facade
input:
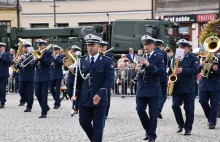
(192, 15)
(8, 13)
(40, 13)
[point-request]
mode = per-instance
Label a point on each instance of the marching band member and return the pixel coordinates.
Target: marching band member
(71, 77)
(95, 79)
(209, 93)
(163, 78)
(5, 62)
(26, 77)
(57, 75)
(148, 88)
(103, 48)
(43, 76)
(184, 88)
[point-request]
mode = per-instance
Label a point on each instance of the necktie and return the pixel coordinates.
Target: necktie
(148, 56)
(92, 61)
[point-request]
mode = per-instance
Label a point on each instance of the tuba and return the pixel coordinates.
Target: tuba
(69, 60)
(211, 45)
(173, 77)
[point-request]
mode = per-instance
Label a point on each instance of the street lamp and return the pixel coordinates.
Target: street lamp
(54, 12)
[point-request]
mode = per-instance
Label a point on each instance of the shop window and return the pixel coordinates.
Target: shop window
(184, 30)
(7, 24)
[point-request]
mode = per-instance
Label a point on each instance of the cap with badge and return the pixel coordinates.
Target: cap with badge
(56, 47)
(41, 42)
(26, 44)
(183, 42)
(75, 48)
(92, 39)
(2, 44)
(104, 43)
(158, 41)
(146, 39)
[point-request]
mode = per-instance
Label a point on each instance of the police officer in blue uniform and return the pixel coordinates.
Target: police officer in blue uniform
(71, 78)
(209, 93)
(5, 62)
(43, 76)
(26, 76)
(95, 79)
(163, 78)
(184, 88)
(57, 75)
(148, 87)
(103, 49)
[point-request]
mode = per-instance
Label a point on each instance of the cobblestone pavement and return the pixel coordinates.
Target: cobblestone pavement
(123, 124)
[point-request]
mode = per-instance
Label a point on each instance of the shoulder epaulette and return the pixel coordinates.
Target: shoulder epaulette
(107, 57)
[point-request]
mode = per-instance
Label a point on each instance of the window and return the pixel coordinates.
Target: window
(172, 31)
(40, 25)
(62, 24)
(125, 29)
(7, 24)
(185, 30)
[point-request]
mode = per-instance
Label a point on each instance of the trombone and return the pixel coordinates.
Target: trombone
(38, 54)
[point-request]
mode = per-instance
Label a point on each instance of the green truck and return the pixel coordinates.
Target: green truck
(121, 34)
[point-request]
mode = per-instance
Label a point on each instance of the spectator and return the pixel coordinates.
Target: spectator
(131, 55)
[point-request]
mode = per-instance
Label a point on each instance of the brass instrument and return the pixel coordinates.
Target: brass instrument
(211, 45)
(167, 49)
(69, 60)
(18, 54)
(103, 53)
(38, 54)
(173, 77)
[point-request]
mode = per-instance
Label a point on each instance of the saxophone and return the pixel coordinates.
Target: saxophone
(173, 77)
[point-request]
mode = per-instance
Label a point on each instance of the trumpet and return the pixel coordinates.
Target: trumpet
(69, 60)
(38, 54)
(19, 53)
(103, 53)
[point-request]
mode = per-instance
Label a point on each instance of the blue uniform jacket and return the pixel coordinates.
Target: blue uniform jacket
(71, 77)
(110, 55)
(130, 58)
(100, 81)
(5, 62)
(43, 68)
(26, 73)
(57, 67)
(212, 83)
(149, 81)
(186, 80)
(163, 77)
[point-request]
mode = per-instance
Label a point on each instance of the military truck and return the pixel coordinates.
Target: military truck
(121, 34)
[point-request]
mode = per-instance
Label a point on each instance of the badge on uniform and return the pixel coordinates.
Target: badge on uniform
(112, 66)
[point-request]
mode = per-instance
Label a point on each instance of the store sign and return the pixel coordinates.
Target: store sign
(206, 17)
(181, 18)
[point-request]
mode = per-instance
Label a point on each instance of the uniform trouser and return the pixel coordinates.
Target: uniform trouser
(3, 83)
(97, 116)
(56, 92)
(162, 99)
(108, 106)
(148, 122)
(41, 92)
(212, 109)
(70, 93)
(26, 91)
(189, 107)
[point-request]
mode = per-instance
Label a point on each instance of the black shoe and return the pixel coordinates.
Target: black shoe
(146, 138)
(151, 140)
(2, 106)
(21, 104)
(48, 109)
(212, 126)
(56, 107)
(43, 116)
(180, 129)
(187, 132)
(27, 110)
(159, 115)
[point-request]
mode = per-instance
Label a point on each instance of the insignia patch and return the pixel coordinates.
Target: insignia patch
(196, 62)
